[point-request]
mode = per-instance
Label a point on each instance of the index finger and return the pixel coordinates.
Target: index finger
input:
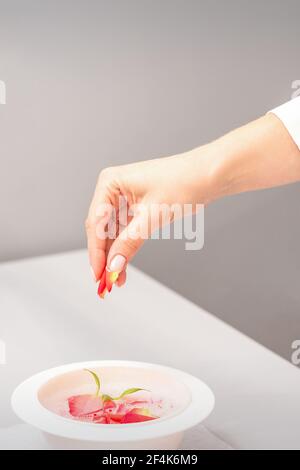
(95, 225)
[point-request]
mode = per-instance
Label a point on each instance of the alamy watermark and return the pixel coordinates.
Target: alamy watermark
(296, 89)
(155, 221)
(2, 92)
(295, 357)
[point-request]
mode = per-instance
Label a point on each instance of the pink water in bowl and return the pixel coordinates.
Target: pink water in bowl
(72, 395)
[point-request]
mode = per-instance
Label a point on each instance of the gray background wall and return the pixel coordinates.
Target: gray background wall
(98, 83)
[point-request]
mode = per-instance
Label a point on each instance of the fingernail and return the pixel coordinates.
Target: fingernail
(117, 264)
(93, 274)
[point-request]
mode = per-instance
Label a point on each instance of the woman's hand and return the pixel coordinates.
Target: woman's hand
(145, 185)
(259, 155)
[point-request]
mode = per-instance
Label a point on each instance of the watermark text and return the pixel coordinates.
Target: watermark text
(2, 92)
(152, 221)
(295, 357)
(296, 87)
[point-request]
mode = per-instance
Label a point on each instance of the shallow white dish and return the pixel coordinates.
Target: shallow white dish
(33, 401)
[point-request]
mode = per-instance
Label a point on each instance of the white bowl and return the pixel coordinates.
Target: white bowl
(34, 402)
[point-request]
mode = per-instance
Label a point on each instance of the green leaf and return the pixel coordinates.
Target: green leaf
(97, 380)
(128, 392)
(107, 398)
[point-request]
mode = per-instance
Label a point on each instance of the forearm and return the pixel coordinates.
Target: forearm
(259, 155)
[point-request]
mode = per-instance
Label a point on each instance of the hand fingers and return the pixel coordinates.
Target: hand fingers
(129, 241)
(96, 223)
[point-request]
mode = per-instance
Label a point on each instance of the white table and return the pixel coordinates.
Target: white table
(50, 315)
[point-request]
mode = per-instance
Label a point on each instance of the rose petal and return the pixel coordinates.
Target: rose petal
(101, 419)
(80, 405)
(136, 418)
(109, 404)
(122, 408)
(137, 402)
(112, 421)
(118, 417)
(141, 411)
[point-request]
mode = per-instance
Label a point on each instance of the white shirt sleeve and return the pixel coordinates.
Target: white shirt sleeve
(289, 114)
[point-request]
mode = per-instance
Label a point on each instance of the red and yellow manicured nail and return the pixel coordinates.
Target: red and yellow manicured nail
(110, 276)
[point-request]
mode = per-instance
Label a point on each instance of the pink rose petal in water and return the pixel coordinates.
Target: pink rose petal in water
(104, 409)
(80, 405)
(136, 418)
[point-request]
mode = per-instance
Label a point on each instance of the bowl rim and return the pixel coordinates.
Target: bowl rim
(26, 405)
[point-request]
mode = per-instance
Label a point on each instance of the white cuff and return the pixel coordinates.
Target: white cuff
(289, 114)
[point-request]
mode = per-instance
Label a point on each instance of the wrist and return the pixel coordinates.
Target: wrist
(213, 170)
(227, 169)
(241, 159)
